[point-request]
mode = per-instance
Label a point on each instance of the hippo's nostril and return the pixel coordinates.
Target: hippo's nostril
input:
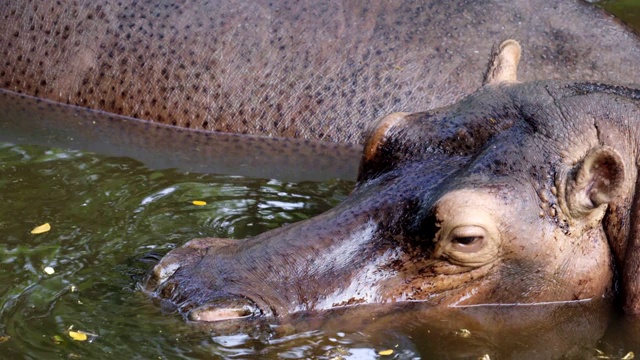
(156, 280)
(225, 309)
(151, 258)
(164, 271)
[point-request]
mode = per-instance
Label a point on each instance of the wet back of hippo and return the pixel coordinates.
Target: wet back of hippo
(308, 69)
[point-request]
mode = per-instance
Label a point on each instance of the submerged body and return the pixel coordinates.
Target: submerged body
(315, 70)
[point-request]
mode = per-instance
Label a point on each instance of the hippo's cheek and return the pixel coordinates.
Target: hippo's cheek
(444, 284)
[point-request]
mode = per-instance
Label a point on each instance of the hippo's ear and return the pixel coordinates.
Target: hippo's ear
(596, 180)
(377, 132)
(503, 65)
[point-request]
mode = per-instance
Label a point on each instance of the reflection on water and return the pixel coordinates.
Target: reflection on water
(106, 214)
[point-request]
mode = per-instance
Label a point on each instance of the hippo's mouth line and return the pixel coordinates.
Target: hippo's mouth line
(226, 309)
(519, 304)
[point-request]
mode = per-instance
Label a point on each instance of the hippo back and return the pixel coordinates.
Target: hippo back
(307, 69)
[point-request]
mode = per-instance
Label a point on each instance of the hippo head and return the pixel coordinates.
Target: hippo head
(518, 193)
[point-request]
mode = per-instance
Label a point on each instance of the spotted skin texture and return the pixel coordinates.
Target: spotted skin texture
(306, 69)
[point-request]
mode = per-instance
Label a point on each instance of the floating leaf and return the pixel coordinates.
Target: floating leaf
(57, 339)
(199, 203)
(464, 333)
(385, 352)
(41, 229)
(77, 335)
(4, 338)
(485, 357)
(49, 270)
(629, 356)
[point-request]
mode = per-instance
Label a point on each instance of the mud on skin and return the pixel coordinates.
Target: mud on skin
(505, 197)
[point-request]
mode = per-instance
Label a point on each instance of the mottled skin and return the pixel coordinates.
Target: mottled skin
(308, 69)
(518, 193)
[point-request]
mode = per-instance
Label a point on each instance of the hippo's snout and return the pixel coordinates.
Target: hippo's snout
(193, 298)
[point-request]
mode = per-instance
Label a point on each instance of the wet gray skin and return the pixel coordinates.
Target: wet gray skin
(518, 193)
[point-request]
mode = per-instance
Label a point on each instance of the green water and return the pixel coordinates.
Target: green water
(626, 10)
(106, 214)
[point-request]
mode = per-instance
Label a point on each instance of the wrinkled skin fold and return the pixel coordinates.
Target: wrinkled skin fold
(518, 193)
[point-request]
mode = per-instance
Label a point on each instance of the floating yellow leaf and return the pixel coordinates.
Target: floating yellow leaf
(41, 229)
(199, 203)
(385, 352)
(464, 333)
(629, 356)
(78, 336)
(49, 270)
(4, 338)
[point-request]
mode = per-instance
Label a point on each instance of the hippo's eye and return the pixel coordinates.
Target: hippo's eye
(467, 239)
(469, 235)
(467, 245)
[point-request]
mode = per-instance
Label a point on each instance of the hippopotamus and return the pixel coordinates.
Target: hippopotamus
(519, 193)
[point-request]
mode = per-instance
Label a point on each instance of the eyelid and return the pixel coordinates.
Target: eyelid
(475, 254)
(467, 231)
(446, 241)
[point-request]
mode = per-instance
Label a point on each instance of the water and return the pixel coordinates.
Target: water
(106, 214)
(626, 10)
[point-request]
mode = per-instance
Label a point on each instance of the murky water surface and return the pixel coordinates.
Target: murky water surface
(105, 215)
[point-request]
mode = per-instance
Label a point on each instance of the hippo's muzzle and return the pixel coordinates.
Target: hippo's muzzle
(172, 280)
